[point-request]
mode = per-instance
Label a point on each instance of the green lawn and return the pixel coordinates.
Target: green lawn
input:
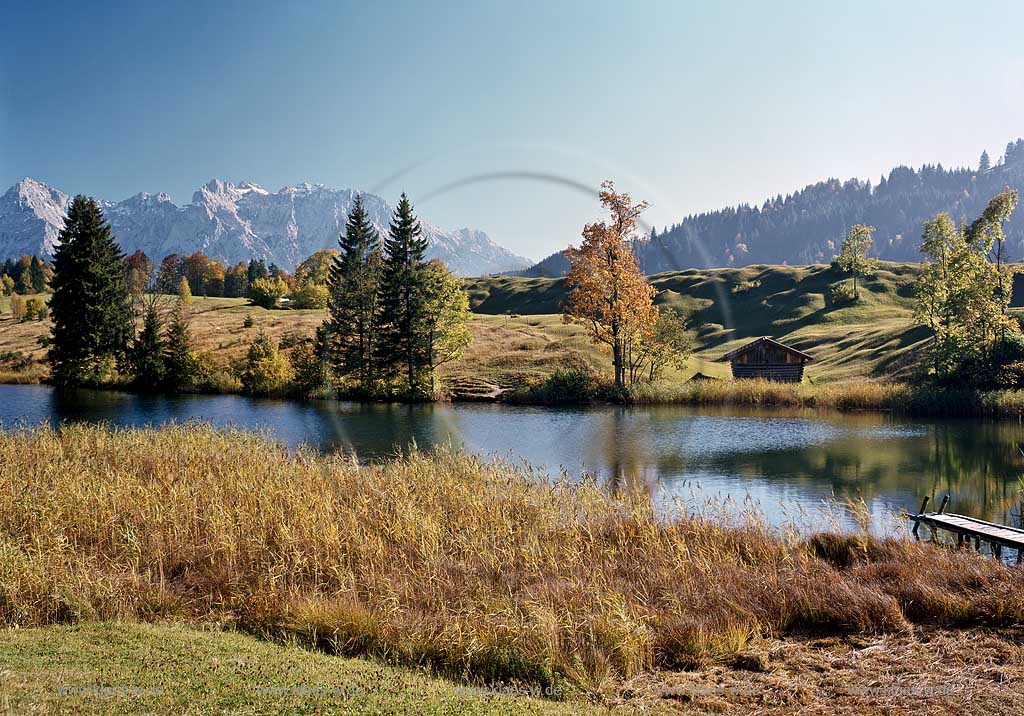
(121, 668)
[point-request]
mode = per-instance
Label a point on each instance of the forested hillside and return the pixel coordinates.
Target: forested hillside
(808, 226)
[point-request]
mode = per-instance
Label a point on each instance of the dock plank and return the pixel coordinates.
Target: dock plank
(972, 528)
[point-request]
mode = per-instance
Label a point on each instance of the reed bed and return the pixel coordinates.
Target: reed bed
(478, 570)
(903, 398)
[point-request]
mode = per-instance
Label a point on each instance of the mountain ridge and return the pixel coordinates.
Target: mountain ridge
(233, 222)
(807, 226)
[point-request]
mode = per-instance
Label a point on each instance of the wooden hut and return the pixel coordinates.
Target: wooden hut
(767, 358)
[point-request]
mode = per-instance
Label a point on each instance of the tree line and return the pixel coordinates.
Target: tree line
(393, 317)
(807, 226)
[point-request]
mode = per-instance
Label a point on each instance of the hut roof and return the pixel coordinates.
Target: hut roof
(762, 340)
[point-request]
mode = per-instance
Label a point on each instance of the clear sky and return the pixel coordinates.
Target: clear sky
(492, 114)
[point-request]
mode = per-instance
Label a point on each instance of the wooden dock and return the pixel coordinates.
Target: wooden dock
(970, 528)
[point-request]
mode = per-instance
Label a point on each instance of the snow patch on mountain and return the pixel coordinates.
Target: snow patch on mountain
(234, 223)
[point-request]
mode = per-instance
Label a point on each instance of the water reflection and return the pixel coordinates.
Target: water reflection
(785, 461)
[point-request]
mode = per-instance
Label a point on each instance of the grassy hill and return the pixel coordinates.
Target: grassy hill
(875, 338)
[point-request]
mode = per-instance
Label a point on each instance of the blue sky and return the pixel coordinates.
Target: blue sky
(691, 106)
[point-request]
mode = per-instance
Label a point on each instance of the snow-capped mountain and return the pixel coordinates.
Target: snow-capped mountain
(233, 223)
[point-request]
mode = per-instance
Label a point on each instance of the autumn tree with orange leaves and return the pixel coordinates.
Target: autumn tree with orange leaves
(608, 293)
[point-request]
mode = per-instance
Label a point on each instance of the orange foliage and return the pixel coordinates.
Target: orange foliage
(609, 294)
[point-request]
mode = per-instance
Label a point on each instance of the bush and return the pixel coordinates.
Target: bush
(745, 286)
(248, 322)
(841, 294)
(207, 376)
(266, 292)
(264, 371)
(1000, 367)
(573, 384)
(312, 295)
(18, 308)
(312, 374)
(37, 309)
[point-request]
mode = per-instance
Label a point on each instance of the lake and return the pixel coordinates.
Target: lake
(790, 464)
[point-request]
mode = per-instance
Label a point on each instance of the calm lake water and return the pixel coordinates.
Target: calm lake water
(789, 464)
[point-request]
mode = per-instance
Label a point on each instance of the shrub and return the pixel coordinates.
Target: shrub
(1002, 366)
(208, 376)
(842, 294)
(247, 322)
(266, 292)
(311, 295)
(36, 308)
(573, 384)
(264, 371)
(745, 286)
(312, 373)
(18, 308)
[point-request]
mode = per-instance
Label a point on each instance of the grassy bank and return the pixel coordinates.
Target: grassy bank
(104, 668)
(166, 669)
(474, 571)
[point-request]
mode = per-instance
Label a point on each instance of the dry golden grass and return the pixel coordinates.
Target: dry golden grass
(850, 395)
(478, 570)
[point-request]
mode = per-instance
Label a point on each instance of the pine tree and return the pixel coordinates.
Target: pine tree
(37, 275)
(91, 307)
(148, 351)
(179, 361)
(984, 164)
(353, 280)
(402, 345)
(257, 269)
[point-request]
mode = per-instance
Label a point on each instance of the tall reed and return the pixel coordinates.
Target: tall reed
(480, 570)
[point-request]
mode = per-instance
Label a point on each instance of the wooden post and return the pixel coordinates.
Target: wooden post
(945, 501)
(917, 523)
(997, 550)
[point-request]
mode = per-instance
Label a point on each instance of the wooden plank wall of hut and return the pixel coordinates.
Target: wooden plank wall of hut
(780, 372)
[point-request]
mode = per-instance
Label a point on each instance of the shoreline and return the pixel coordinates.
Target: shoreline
(867, 396)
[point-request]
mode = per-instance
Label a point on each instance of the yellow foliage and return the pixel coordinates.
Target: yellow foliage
(610, 295)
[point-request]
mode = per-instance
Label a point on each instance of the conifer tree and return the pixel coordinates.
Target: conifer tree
(403, 349)
(148, 351)
(37, 275)
(984, 164)
(179, 361)
(91, 307)
(353, 281)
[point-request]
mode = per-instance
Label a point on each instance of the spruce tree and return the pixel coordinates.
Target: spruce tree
(403, 349)
(37, 275)
(984, 163)
(179, 362)
(353, 280)
(148, 352)
(91, 307)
